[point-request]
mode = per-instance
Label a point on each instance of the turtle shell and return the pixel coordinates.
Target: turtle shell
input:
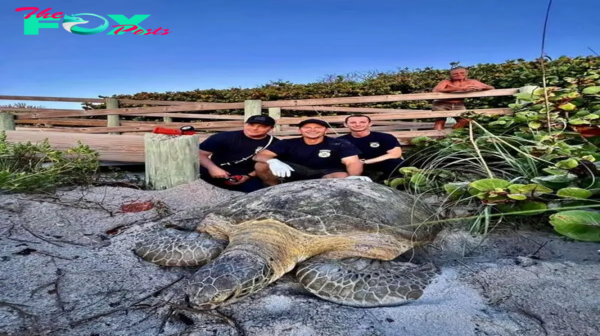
(335, 206)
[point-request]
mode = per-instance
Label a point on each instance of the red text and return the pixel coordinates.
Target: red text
(137, 31)
(43, 14)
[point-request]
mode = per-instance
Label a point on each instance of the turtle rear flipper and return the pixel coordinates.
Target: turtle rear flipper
(178, 248)
(363, 282)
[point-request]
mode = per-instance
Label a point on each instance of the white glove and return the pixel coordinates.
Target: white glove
(362, 178)
(279, 168)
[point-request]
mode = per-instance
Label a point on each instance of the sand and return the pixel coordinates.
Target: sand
(66, 268)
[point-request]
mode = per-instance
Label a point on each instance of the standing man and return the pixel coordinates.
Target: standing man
(458, 83)
(226, 156)
(381, 152)
(311, 156)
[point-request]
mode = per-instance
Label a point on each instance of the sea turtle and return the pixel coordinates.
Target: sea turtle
(339, 235)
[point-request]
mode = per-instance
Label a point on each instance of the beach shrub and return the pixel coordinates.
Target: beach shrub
(34, 168)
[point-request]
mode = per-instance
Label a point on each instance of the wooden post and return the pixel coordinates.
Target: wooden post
(171, 160)
(167, 120)
(252, 107)
(275, 113)
(7, 121)
(112, 119)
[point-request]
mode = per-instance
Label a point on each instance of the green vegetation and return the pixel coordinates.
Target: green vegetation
(535, 163)
(35, 168)
(510, 74)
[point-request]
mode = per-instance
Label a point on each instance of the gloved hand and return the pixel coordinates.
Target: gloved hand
(279, 168)
(362, 178)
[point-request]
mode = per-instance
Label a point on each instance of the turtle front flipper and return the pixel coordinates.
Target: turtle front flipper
(172, 247)
(362, 282)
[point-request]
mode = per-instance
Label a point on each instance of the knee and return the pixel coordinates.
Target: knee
(261, 167)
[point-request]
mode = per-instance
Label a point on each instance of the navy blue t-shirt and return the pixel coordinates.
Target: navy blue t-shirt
(325, 155)
(233, 146)
(373, 145)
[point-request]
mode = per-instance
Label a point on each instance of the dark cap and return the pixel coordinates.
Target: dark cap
(314, 121)
(261, 119)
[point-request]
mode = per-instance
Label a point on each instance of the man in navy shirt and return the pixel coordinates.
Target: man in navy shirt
(227, 154)
(381, 152)
(311, 156)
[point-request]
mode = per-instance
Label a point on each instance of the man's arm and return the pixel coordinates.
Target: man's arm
(394, 153)
(446, 86)
(264, 155)
(479, 85)
(354, 166)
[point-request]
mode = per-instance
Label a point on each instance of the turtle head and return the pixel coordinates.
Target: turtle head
(227, 279)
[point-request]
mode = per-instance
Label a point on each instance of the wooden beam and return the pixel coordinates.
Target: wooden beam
(130, 148)
(400, 116)
(123, 148)
(388, 98)
(136, 110)
(58, 99)
(348, 109)
(101, 123)
(156, 102)
(194, 116)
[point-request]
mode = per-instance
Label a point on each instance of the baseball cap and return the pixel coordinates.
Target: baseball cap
(314, 121)
(261, 119)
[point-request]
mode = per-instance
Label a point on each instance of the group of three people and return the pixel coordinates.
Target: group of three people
(251, 159)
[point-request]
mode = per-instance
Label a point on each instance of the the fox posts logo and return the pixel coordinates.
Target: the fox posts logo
(73, 23)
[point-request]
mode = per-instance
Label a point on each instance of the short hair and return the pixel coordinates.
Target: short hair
(458, 68)
(357, 115)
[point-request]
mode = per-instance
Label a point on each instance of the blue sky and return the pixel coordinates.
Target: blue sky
(223, 44)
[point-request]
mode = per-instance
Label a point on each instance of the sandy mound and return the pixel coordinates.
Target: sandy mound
(66, 268)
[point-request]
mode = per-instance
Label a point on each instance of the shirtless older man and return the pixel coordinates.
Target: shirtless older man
(458, 83)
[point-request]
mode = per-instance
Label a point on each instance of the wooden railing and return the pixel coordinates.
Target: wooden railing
(120, 140)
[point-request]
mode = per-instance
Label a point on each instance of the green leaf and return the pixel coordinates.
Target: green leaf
(578, 121)
(528, 189)
(518, 197)
(409, 170)
(591, 116)
(567, 107)
(397, 182)
(456, 188)
(555, 181)
(591, 90)
(535, 124)
(489, 184)
(567, 164)
(553, 171)
(574, 193)
(577, 224)
(418, 179)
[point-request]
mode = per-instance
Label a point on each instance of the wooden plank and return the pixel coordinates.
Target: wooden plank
(58, 99)
(101, 123)
(388, 98)
(401, 116)
(349, 109)
(123, 148)
(161, 102)
(42, 110)
(130, 148)
(135, 110)
(194, 116)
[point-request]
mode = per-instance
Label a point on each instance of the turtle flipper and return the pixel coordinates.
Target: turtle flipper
(172, 247)
(362, 282)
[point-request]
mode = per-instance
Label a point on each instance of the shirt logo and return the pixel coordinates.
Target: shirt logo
(374, 144)
(324, 153)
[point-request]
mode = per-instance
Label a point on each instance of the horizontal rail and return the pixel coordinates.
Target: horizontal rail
(130, 148)
(134, 110)
(400, 116)
(389, 98)
(57, 99)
